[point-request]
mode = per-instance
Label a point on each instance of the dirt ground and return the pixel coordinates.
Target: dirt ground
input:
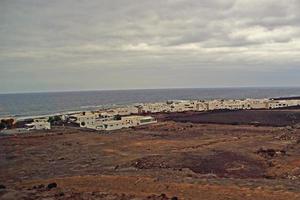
(238, 117)
(167, 160)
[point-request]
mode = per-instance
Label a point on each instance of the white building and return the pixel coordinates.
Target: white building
(281, 103)
(257, 103)
(237, 104)
(86, 119)
(233, 105)
(39, 124)
(138, 120)
(182, 105)
(125, 122)
(201, 106)
(110, 125)
(295, 102)
(153, 107)
(127, 110)
(215, 104)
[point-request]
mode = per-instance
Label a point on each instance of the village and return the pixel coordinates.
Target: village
(140, 114)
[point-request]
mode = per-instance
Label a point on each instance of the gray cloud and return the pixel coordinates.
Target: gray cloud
(111, 44)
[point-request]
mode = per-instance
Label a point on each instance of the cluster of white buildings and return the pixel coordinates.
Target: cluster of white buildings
(134, 115)
(110, 121)
(39, 124)
(199, 105)
(130, 116)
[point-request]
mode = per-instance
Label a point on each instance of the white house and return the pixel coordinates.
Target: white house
(182, 106)
(39, 124)
(110, 125)
(201, 106)
(277, 104)
(86, 120)
(125, 122)
(256, 103)
(127, 110)
(153, 107)
(215, 104)
(282, 103)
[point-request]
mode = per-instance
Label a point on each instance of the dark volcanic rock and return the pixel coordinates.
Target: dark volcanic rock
(251, 117)
(158, 197)
(51, 185)
(270, 153)
(222, 164)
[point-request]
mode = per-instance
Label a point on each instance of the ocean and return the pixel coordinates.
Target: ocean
(35, 104)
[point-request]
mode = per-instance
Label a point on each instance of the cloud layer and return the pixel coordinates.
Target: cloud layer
(111, 44)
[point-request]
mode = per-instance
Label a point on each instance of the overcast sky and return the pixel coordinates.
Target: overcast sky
(50, 45)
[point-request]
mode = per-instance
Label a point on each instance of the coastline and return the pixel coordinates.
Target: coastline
(91, 108)
(39, 104)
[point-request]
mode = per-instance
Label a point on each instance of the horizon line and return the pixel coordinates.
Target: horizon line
(163, 88)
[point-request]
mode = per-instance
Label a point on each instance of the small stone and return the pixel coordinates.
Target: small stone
(51, 185)
(61, 194)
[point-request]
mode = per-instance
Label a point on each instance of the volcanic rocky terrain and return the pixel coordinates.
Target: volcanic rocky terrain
(218, 155)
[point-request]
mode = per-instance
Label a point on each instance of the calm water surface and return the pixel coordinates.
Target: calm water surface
(31, 104)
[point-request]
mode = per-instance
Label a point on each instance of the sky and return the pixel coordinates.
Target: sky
(62, 45)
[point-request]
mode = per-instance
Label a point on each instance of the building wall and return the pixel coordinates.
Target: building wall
(125, 122)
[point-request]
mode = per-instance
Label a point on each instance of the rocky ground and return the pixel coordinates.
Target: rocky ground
(173, 159)
(278, 117)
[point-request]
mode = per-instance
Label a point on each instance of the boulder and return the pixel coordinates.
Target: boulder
(51, 185)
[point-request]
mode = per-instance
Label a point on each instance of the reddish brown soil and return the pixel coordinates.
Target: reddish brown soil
(161, 161)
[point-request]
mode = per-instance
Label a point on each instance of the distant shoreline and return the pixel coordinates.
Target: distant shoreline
(26, 105)
(101, 106)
